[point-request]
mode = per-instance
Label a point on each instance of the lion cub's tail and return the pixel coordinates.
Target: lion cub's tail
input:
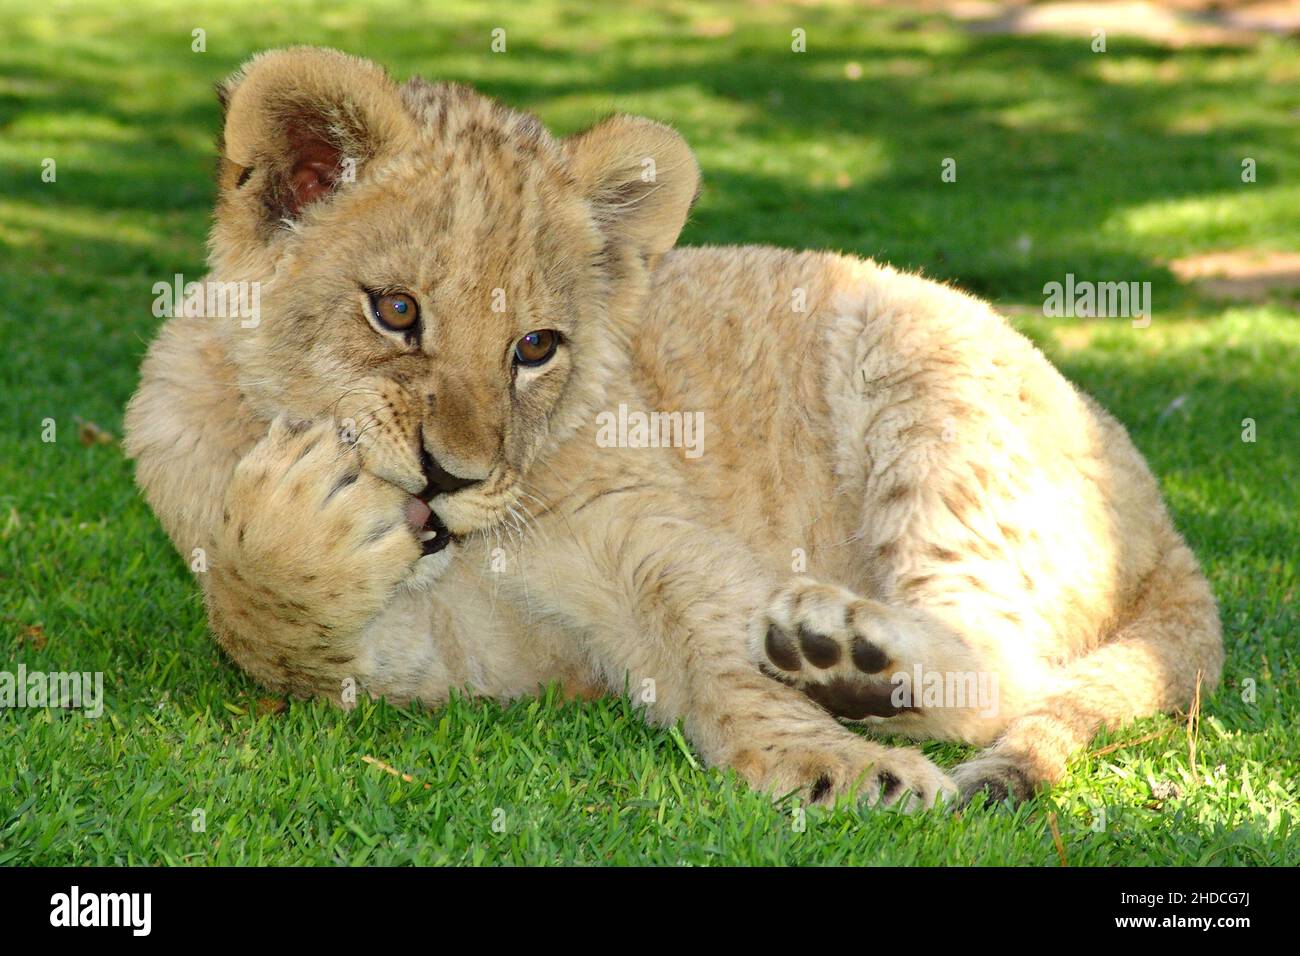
(1154, 661)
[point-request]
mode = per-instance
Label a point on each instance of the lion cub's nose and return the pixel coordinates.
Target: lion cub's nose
(439, 480)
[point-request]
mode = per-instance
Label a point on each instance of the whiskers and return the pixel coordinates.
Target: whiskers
(517, 531)
(517, 526)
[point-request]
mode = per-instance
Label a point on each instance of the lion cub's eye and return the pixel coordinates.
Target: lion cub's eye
(536, 348)
(396, 311)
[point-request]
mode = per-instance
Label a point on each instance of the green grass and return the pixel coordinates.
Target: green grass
(1101, 165)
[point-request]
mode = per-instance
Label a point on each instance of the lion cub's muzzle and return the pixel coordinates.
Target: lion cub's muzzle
(438, 481)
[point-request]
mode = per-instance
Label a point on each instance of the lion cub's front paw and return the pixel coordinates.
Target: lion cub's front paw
(835, 646)
(304, 521)
(848, 766)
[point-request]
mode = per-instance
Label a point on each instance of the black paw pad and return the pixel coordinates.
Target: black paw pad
(867, 657)
(854, 701)
(820, 650)
(781, 650)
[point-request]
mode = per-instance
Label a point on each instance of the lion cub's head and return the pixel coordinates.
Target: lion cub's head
(437, 271)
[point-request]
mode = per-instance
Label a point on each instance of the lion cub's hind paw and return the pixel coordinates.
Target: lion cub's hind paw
(836, 647)
(998, 778)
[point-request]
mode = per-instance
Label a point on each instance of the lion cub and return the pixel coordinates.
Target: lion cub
(897, 513)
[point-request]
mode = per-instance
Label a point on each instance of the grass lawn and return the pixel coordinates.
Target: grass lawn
(1068, 161)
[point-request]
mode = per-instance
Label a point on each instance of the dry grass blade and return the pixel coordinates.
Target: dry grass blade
(1111, 748)
(1056, 838)
(1194, 726)
(376, 762)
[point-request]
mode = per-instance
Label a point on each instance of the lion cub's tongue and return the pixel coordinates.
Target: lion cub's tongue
(417, 513)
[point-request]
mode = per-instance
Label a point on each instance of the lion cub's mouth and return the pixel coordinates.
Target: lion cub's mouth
(434, 536)
(432, 533)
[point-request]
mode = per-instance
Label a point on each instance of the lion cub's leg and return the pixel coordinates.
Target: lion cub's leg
(1163, 653)
(1007, 528)
(662, 603)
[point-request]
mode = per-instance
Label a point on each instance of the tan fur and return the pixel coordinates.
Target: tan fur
(891, 474)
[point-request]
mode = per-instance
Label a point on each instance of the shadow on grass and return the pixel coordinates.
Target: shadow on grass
(1083, 151)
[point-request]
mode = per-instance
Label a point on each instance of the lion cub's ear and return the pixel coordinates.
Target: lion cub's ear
(300, 124)
(640, 178)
